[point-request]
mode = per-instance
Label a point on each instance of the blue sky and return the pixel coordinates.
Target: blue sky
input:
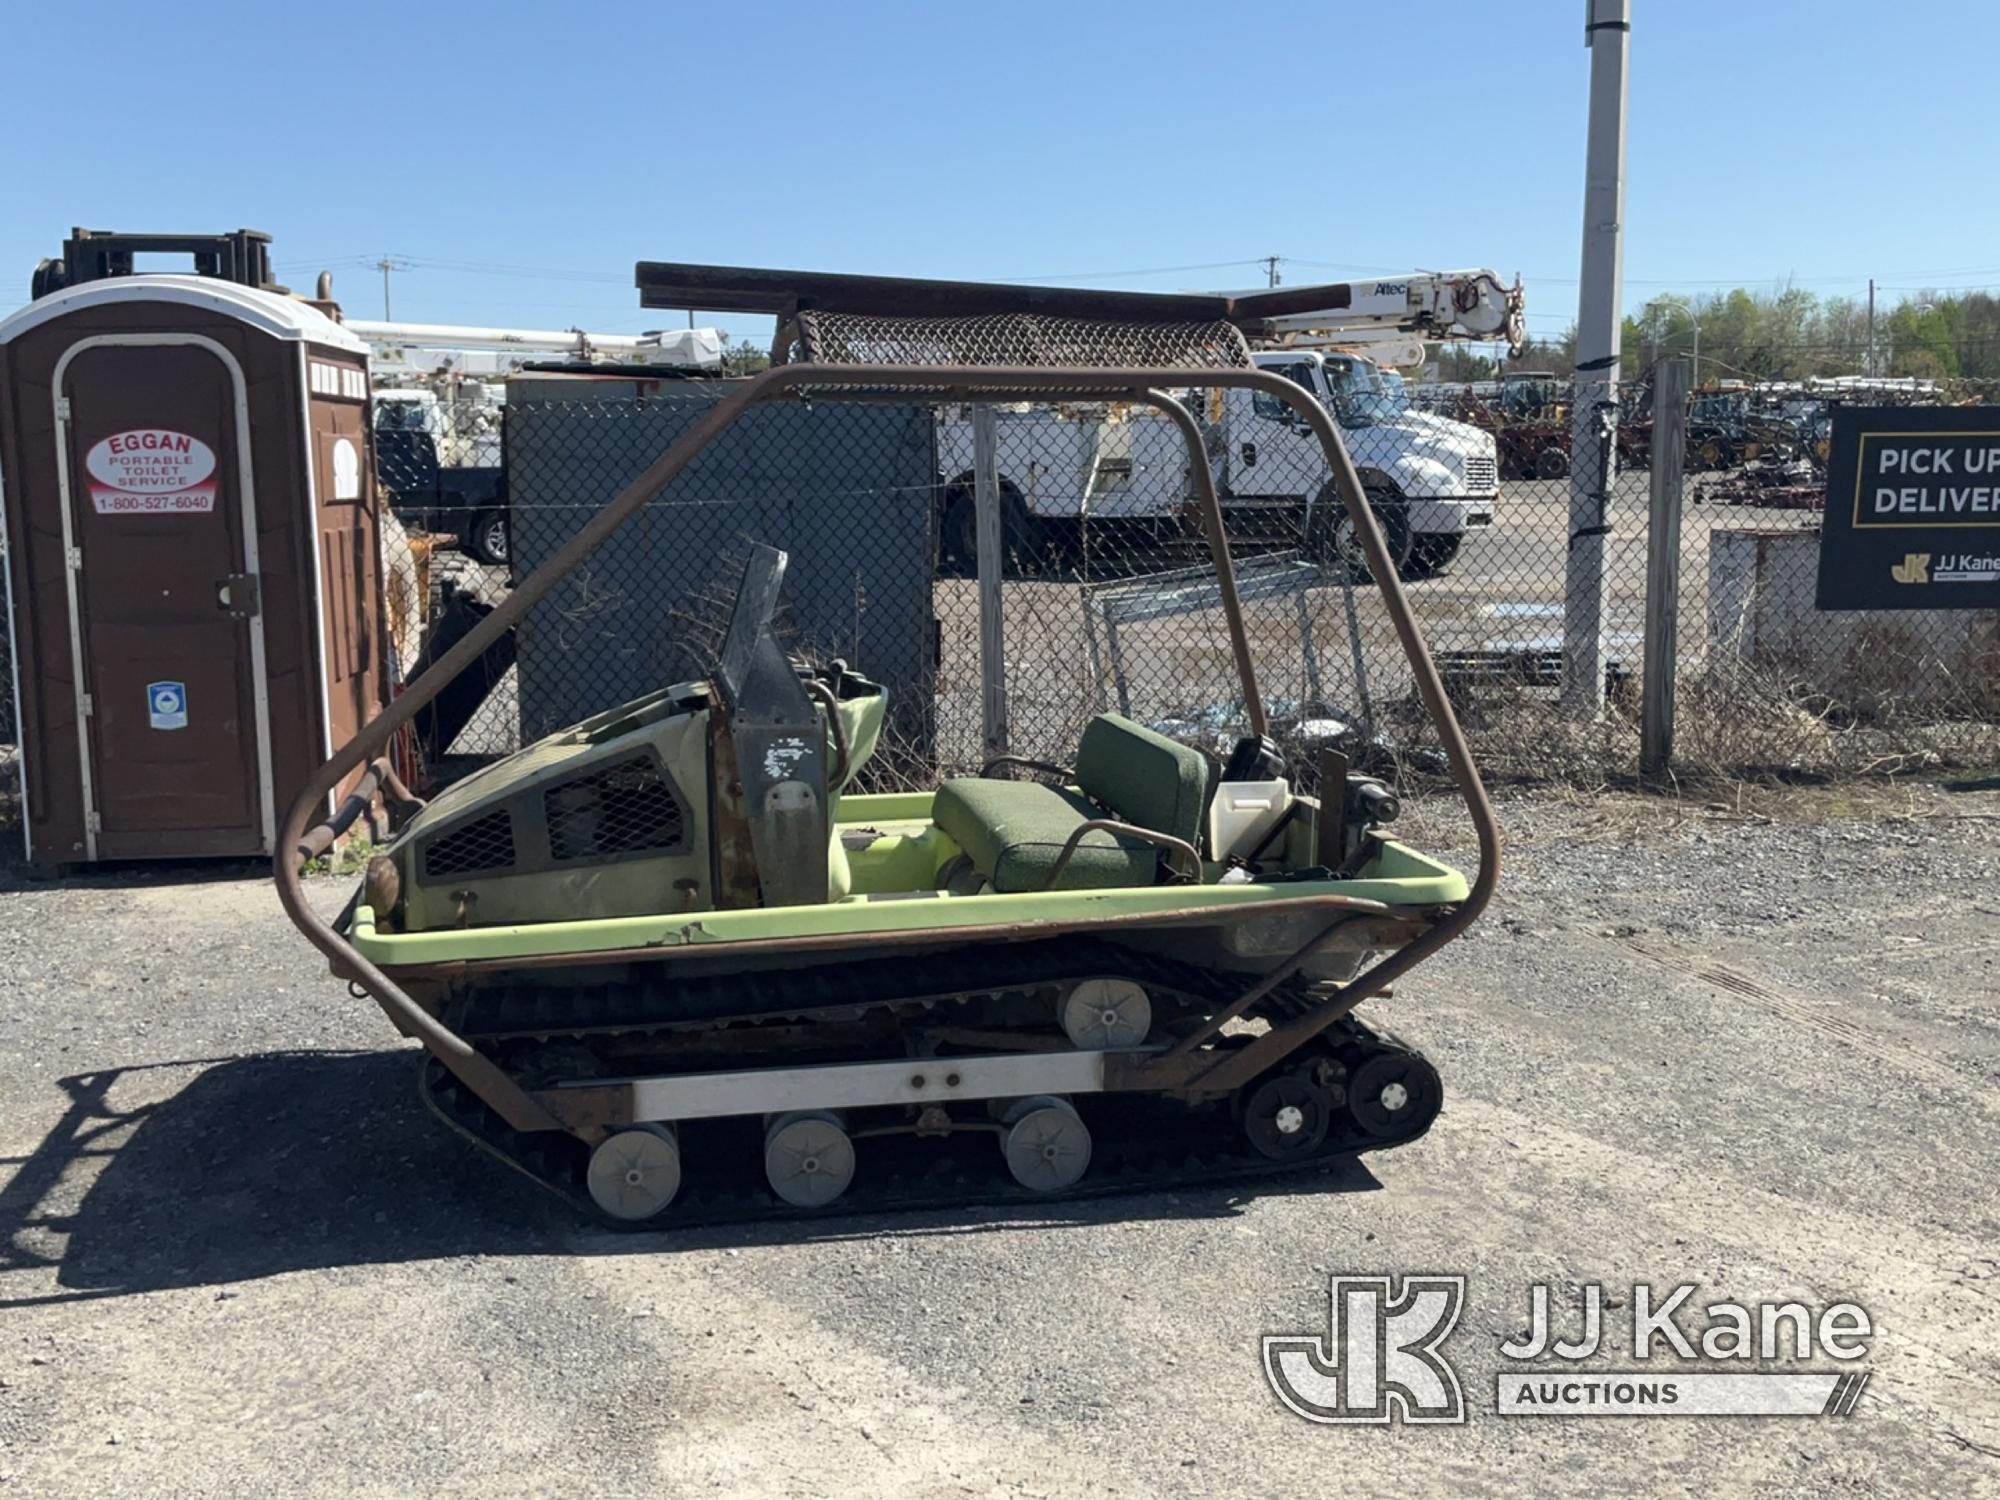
(520, 158)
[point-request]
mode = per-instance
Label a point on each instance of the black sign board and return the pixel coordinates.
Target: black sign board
(1912, 509)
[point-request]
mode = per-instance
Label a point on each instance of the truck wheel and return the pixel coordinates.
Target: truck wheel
(958, 535)
(1335, 543)
(1431, 552)
(487, 539)
(1552, 463)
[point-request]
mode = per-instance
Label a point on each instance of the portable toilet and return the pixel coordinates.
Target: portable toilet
(192, 560)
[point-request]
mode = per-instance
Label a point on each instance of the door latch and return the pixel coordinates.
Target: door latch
(1249, 455)
(238, 595)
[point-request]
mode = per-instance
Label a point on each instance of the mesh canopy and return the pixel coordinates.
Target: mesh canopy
(1020, 340)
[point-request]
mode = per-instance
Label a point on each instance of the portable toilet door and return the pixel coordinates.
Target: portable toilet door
(160, 514)
(187, 652)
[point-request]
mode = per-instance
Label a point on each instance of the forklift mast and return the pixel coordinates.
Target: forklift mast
(242, 256)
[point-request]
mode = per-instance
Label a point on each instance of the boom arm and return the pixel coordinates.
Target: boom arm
(429, 347)
(1424, 304)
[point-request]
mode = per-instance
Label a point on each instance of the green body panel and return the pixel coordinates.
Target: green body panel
(673, 726)
(861, 726)
(1015, 831)
(910, 859)
(629, 885)
(1397, 876)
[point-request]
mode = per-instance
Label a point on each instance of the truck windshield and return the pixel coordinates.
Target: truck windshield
(1363, 394)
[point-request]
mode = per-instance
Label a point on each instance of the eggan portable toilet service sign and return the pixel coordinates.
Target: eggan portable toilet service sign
(191, 548)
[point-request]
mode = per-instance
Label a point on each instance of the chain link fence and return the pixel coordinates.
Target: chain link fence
(1108, 601)
(1769, 683)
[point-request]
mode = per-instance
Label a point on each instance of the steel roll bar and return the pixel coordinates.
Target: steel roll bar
(1166, 843)
(1188, 1071)
(379, 777)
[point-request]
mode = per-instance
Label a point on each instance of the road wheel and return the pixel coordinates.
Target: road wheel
(1333, 542)
(1552, 463)
(1394, 1094)
(1711, 453)
(1286, 1117)
(1431, 552)
(487, 537)
(634, 1174)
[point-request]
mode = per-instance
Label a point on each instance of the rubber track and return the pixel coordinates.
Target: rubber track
(510, 1011)
(1139, 1142)
(1160, 1147)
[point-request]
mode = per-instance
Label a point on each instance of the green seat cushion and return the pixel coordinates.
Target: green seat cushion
(1144, 778)
(1013, 832)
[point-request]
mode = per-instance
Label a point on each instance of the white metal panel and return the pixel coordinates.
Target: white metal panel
(929, 1080)
(271, 312)
(321, 654)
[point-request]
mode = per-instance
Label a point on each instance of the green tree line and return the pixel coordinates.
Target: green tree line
(1787, 334)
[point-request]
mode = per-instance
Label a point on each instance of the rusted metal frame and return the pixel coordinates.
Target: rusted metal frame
(1258, 991)
(782, 338)
(873, 382)
(837, 731)
(380, 776)
(1164, 841)
(1238, 1067)
(759, 290)
(1026, 763)
(1218, 550)
(465, 1062)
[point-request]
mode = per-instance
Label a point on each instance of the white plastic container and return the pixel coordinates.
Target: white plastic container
(1242, 812)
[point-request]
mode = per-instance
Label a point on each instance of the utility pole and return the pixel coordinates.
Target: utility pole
(385, 265)
(1271, 269)
(1868, 364)
(1594, 400)
(1661, 658)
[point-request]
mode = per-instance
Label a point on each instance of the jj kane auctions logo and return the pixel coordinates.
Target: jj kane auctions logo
(1382, 1357)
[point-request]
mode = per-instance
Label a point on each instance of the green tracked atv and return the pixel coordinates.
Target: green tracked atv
(669, 964)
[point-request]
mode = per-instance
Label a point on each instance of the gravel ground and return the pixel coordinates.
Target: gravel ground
(1689, 1044)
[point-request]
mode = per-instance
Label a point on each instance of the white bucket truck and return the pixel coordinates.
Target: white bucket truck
(1123, 469)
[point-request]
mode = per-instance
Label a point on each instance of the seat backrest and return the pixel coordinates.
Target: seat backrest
(1143, 777)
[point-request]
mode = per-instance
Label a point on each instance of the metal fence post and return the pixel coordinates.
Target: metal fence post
(1593, 440)
(992, 633)
(1663, 568)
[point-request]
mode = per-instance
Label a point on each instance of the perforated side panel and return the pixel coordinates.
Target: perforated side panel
(486, 843)
(621, 809)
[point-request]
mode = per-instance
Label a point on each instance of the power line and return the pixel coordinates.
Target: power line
(1214, 265)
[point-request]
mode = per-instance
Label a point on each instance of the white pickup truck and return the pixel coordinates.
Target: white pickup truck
(1432, 480)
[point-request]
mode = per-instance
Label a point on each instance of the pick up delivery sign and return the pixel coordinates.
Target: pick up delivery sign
(151, 471)
(1912, 509)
